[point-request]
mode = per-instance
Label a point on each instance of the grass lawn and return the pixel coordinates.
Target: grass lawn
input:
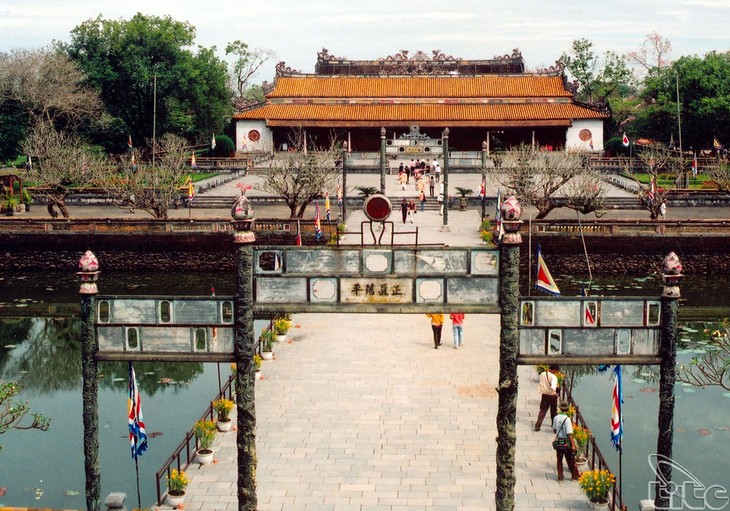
(666, 182)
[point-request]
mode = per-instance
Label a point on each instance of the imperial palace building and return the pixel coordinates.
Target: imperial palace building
(415, 97)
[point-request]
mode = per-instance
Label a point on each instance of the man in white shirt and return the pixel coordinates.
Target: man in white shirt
(548, 389)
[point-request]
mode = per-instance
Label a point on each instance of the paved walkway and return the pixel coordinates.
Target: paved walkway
(360, 412)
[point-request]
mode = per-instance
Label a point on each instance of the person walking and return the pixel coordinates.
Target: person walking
(403, 178)
(431, 185)
(422, 198)
(437, 323)
(404, 209)
(548, 388)
(563, 428)
(411, 210)
(437, 170)
(457, 325)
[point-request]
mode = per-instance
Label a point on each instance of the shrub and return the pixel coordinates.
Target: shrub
(224, 146)
(257, 362)
(266, 339)
(581, 436)
(281, 326)
(464, 192)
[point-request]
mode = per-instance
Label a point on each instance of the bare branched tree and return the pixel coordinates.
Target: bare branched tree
(62, 165)
(656, 162)
(299, 177)
(652, 55)
(535, 177)
(719, 174)
(151, 189)
(50, 87)
(247, 64)
(713, 367)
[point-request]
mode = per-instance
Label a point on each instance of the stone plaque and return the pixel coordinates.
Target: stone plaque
(472, 290)
(430, 291)
(484, 262)
(376, 290)
(323, 290)
(281, 290)
(322, 262)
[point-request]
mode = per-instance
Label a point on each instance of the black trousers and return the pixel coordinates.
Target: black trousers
(436, 334)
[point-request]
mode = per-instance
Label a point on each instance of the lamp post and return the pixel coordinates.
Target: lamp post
(483, 188)
(445, 136)
(382, 161)
(343, 220)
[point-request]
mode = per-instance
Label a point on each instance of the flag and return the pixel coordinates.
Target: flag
(137, 432)
(625, 140)
(498, 216)
(617, 419)
(482, 192)
(544, 281)
(299, 234)
(192, 162)
(590, 143)
(191, 189)
(694, 166)
(317, 226)
(716, 143)
(652, 187)
(212, 143)
(327, 212)
(339, 196)
(129, 143)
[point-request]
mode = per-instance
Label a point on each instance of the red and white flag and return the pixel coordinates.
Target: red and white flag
(694, 166)
(625, 140)
(544, 281)
(299, 234)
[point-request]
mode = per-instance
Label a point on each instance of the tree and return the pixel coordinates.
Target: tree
(720, 175)
(597, 80)
(131, 61)
(658, 163)
(246, 64)
(713, 367)
(704, 101)
(41, 86)
(652, 56)
(62, 165)
(535, 176)
(151, 189)
(300, 178)
(12, 412)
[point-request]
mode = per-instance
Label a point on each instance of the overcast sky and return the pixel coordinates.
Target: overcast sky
(356, 29)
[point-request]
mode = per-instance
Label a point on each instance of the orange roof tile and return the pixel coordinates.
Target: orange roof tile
(490, 86)
(399, 114)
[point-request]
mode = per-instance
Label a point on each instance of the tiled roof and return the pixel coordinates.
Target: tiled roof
(491, 86)
(398, 114)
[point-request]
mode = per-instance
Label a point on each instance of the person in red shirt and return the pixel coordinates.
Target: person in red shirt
(457, 324)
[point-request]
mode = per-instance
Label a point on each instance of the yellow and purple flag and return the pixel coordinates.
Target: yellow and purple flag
(317, 226)
(327, 212)
(137, 432)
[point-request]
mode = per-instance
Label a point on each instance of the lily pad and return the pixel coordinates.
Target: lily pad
(118, 379)
(70, 493)
(639, 380)
(689, 390)
(726, 394)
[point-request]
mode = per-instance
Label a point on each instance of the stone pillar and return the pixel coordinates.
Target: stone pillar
(672, 274)
(509, 273)
(484, 178)
(243, 349)
(445, 136)
(343, 220)
(88, 274)
(383, 161)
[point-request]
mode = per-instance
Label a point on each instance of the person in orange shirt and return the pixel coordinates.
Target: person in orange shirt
(457, 323)
(437, 323)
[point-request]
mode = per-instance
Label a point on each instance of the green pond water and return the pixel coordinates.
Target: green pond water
(46, 469)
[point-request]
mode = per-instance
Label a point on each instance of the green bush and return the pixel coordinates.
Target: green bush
(616, 147)
(224, 146)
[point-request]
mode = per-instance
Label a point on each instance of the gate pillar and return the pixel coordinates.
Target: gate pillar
(509, 271)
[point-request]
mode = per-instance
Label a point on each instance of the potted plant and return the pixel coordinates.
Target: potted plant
(464, 194)
(257, 367)
(177, 481)
(581, 435)
(205, 433)
(596, 484)
(223, 407)
(281, 327)
(266, 339)
(27, 200)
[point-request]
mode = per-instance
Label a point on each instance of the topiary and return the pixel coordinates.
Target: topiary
(224, 147)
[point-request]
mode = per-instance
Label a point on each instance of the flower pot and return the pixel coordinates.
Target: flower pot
(257, 375)
(267, 355)
(600, 506)
(280, 337)
(175, 498)
(581, 462)
(204, 456)
(463, 201)
(224, 425)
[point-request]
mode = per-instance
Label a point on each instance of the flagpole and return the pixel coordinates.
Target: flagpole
(529, 252)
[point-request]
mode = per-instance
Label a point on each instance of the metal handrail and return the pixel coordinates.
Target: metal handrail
(183, 455)
(594, 456)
